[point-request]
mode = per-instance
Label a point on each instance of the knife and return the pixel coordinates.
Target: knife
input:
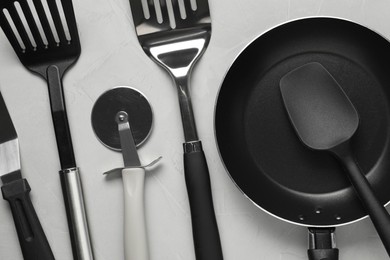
(16, 190)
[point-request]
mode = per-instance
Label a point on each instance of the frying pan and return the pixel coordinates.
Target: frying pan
(258, 145)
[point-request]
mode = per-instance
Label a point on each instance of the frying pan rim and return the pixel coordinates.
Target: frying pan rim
(243, 49)
(151, 108)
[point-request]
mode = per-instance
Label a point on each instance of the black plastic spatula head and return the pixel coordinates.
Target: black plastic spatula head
(41, 32)
(320, 111)
(325, 119)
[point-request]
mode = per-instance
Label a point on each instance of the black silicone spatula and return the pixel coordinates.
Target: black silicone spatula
(325, 119)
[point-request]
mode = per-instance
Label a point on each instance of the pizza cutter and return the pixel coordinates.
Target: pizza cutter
(122, 120)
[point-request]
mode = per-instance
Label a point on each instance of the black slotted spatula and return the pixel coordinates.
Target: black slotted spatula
(325, 119)
(40, 40)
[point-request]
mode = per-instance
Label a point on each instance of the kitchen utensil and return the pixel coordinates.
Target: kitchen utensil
(176, 39)
(255, 138)
(49, 53)
(122, 120)
(325, 119)
(16, 190)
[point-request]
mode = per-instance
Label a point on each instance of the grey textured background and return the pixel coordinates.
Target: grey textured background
(111, 56)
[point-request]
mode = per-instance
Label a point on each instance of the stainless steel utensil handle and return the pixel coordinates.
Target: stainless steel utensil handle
(76, 214)
(186, 111)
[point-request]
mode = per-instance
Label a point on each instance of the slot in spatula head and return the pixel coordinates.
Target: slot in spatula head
(318, 108)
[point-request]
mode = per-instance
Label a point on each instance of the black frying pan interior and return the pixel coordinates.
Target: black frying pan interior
(258, 145)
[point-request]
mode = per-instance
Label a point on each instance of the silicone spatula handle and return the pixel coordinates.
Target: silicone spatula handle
(377, 212)
(31, 236)
(135, 237)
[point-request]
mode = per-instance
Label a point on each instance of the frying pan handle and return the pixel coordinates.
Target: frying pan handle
(204, 225)
(31, 236)
(323, 254)
(135, 238)
(322, 244)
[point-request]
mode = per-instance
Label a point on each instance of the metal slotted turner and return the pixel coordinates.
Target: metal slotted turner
(44, 35)
(175, 34)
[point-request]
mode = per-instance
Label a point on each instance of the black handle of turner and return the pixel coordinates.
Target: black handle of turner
(377, 212)
(32, 238)
(204, 225)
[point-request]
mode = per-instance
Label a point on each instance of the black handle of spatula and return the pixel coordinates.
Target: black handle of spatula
(322, 245)
(204, 225)
(60, 119)
(377, 212)
(32, 238)
(69, 175)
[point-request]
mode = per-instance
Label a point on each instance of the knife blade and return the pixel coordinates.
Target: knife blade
(16, 190)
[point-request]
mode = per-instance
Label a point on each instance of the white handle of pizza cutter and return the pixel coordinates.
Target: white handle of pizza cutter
(135, 237)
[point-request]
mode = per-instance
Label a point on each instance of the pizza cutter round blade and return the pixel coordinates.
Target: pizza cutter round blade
(126, 99)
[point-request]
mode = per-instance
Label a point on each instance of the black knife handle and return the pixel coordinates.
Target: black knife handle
(31, 236)
(204, 225)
